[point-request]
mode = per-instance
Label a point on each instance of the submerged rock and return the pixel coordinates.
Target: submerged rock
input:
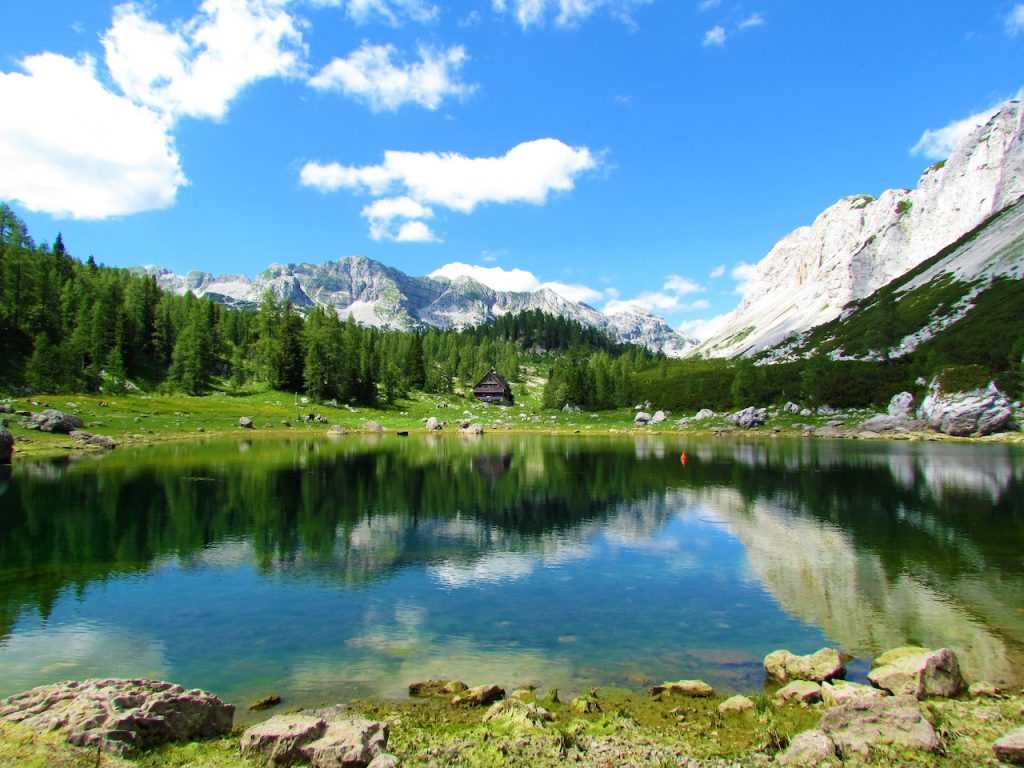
(267, 702)
(120, 716)
(52, 420)
(824, 664)
(692, 688)
(918, 672)
(863, 724)
(807, 749)
(437, 688)
(979, 411)
(322, 742)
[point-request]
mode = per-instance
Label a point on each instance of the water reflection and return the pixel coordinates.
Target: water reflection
(340, 568)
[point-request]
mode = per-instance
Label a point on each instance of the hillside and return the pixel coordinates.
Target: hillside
(376, 295)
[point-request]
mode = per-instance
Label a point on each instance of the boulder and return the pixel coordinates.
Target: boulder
(518, 712)
(642, 417)
(805, 412)
(810, 748)
(824, 664)
(735, 705)
(693, 688)
(52, 420)
(472, 429)
(384, 760)
(977, 412)
(983, 690)
(841, 692)
(1010, 748)
(791, 407)
(799, 692)
(901, 406)
(6, 446)
(585, 705)
(749, 418)
(433, 424)
(918, 672)
(6, 408)
(322, 742)
(479, 696)
(372, 426)
(658, 417)
(97, 441)
(826, 410)
(120, 716)
(437, 688)
(885, 423)
(862, 724)
(704, 414)
(245, 422)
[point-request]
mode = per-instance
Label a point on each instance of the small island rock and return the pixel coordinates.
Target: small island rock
(822, 665)
(918, 672)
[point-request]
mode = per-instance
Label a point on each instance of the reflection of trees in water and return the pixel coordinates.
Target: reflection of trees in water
(886, 522)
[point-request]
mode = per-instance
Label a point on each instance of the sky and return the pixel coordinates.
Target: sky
(626, 153)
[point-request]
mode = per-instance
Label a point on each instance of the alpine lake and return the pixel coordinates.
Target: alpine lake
(329, 570)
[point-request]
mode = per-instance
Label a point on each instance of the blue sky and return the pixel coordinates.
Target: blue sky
(620, 150)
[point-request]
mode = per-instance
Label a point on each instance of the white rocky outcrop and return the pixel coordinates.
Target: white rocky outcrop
(862, 243)
(980, 411)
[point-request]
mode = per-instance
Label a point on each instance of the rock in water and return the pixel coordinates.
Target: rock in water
(437, 688)
(863, 724)
(52, 420)
(479, 696)
(1010, 748)
(822, 665)
(322, 742)
(6, 446)
(120, 716)
(977, 412)
(693, 688)
(918, 672)
(807, 749)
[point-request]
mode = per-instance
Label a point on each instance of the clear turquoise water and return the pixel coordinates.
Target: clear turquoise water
(325, 571)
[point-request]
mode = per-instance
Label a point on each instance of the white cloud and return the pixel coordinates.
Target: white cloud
(383, 214)
(714, 36)
(717, 272)
(745, 275)
(681, 285)
(707, 5)
(649, 301)
(391, 12)
(568, 13)
(753, 20)
(370, 74)
(70, 147)
(527, 173)
(197, 68)
(939, 143)
(518, 280)
(1015, 20)
(703, 328)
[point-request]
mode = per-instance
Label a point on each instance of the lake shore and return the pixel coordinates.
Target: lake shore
(145, 419)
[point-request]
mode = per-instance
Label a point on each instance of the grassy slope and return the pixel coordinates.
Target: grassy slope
(632, 729)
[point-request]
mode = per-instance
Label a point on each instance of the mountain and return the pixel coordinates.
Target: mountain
(862, 243)
(378, 295)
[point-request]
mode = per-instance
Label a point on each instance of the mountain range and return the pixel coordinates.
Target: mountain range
(381, 296)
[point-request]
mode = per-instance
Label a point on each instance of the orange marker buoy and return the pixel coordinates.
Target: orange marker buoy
(682, 458)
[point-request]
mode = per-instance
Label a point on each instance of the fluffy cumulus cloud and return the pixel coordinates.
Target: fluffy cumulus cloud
(399, 219)
(392, 12)
(527, 173)
(703, 328)
(669, 299)
(1015, 20)
(939, 143)
(566, 13)
(116, 155)
(198, 67)
(715, 37)
(519, 280)
(745, 275)
(374, 74)
(70, 147)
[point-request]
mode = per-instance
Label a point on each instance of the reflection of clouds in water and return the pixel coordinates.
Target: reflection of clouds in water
(77, 651)
(818, 575)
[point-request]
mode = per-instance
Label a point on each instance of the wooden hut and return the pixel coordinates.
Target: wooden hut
(493, 389)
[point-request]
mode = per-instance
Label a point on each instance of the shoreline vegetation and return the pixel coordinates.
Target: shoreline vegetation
(920, 713)
(137, 420)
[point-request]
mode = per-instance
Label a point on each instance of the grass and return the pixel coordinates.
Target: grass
(631, 729)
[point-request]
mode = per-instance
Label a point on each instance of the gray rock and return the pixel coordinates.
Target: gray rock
(433, 424)
(810, 748)
(749, 418)
(473, 429)
(841, 692)
(826, 410)
(437, 688)
(799, 692)
(734, 705)
(245, 422)
(52, 420)
(886, 423)
(977, 412)
(97, 441)
(658, 417)
(805, 412)
(824, 664)
(861, 725)
(642, 417)
(479, 696)
(372, 426)
(336, 431)
(704, 414)
(120, 716)
(6, 446)
(901, 406)
(919, 672)
(791, 407)
(1010, 748)
(323, 742)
